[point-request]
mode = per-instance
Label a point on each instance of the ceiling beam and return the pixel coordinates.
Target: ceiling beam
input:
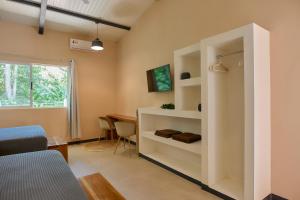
(74, 14)
(42, 16)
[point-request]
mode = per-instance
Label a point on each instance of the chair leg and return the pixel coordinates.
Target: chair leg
(128, 140)
(112, 134)
(117, 145)
(129, 146)
(124, 142)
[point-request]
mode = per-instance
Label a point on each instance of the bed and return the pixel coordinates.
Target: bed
(41, 175)
(22, 139)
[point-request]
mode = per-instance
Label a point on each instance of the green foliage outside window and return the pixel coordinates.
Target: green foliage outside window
(14, 85)
(49, 85)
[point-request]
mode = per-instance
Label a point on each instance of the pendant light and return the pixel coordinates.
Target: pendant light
(97, 44)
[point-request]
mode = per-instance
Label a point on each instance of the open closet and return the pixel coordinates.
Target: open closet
(230, 78)
(236, 85)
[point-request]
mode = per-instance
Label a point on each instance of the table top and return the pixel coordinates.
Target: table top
(55, 141)
(123, 118)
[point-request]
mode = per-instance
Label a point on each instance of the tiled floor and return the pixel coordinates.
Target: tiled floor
(134, 177)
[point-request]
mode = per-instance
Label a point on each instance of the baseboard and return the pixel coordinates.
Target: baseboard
(203, 186)
(274, 197)
(93, 140)
(131, 142)
(84, 141)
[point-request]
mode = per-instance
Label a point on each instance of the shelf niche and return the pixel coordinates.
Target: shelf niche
(188, 91)
(191, 98)
(190, 63)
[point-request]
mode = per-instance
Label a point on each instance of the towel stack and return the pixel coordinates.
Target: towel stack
(178, 135)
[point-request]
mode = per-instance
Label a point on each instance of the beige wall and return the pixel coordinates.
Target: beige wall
(173, 24)
(96, 77)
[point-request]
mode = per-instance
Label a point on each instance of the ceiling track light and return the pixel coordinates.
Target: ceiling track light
(97, 44)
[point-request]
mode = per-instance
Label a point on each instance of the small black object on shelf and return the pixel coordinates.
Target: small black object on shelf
(170, 106)
(185, 75)
(199, 107)
(167, 133)
(187, 137)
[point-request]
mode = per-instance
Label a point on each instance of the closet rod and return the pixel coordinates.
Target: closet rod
(229, 54)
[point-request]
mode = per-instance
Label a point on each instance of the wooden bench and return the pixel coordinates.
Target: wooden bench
(98, 188)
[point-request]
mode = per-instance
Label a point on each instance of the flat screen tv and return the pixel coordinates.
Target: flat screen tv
(159, 79)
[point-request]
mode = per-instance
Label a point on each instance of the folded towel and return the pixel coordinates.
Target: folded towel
(186, 137)
(167, 133)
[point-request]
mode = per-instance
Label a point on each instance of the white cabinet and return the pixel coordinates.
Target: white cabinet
(230, 77)
(182, 157)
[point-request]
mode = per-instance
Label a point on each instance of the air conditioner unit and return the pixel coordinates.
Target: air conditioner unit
(80, 45)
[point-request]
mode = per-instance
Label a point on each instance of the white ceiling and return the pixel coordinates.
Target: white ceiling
(124, 12)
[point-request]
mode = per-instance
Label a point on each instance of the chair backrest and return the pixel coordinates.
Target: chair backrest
(125, 129)
(103, 123)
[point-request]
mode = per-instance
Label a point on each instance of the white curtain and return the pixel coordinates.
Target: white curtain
(73, 103)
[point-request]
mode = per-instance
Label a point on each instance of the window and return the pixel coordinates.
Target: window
(33, 85)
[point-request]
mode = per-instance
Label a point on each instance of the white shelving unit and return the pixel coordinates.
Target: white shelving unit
(233, 156)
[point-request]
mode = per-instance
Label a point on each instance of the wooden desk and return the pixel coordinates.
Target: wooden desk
(129, 119)
(123, 118)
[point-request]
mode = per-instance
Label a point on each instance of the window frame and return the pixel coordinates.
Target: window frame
(30, 106)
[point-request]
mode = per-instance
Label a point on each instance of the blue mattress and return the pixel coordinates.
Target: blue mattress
(22, 139)
(42, 175)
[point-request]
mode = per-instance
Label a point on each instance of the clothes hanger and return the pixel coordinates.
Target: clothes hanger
(218, 67)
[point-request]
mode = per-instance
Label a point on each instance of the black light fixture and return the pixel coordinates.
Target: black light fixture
(97, 44)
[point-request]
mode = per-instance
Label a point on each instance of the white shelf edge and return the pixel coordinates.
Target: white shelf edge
(171, 113)
(193, 147)
(174, 165)
(190, 82)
